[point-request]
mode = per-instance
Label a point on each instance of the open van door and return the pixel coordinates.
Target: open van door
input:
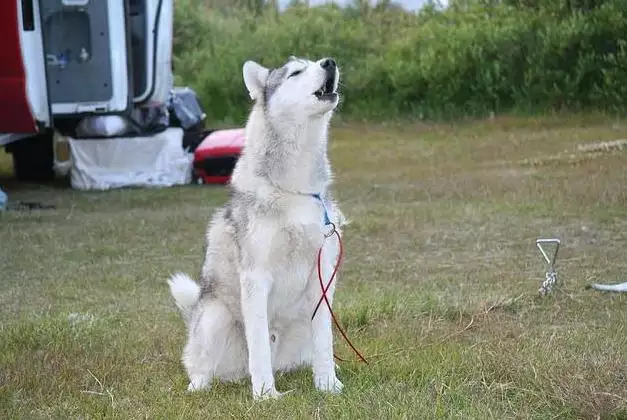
(72, 58)
(23, 97)
(85, 46)
(151, 38)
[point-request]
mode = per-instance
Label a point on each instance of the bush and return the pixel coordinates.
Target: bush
(466, 61)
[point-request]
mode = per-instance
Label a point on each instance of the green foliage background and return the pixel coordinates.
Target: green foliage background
(475, 58)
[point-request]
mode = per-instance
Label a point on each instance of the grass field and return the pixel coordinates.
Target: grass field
(438, 289)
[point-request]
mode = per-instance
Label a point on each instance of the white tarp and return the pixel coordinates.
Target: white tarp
(155, 161)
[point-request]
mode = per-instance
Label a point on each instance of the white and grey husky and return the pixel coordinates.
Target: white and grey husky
(251, 312)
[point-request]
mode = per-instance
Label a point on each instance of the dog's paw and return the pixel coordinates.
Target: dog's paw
(197, 383)
(271, 394)
(329, 384)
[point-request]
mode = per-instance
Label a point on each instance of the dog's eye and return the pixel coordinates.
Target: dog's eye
(295, 73)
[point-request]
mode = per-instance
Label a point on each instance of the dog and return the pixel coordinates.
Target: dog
(251, 312)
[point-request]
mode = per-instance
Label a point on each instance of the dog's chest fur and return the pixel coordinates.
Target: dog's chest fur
(292, 252)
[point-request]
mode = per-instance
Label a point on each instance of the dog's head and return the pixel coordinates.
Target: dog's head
(299, 89)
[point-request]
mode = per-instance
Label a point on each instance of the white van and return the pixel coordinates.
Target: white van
(63, 60)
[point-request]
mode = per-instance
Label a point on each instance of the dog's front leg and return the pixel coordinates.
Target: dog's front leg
(323, 365)
(255, 287)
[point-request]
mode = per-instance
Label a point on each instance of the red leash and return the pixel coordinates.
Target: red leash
(325, 290)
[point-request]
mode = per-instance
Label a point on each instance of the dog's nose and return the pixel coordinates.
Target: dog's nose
(328, 64)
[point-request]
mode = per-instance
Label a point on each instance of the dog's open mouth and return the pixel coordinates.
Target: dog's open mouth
(326, 91)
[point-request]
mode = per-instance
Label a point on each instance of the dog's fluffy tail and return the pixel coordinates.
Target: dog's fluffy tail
(185, 292)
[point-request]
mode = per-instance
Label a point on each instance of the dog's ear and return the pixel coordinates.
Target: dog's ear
(255, 76)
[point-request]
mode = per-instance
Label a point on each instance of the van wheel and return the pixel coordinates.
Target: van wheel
(33, 158)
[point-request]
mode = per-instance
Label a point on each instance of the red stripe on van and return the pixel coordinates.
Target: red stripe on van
(15, 112)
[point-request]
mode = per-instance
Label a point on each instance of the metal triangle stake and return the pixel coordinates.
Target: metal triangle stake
(550, 275)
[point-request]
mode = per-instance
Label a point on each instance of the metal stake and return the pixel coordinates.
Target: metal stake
(550, 275)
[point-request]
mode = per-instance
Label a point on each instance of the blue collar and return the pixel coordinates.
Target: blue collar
(326, 219)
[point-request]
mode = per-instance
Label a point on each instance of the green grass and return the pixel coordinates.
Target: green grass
(438, 289)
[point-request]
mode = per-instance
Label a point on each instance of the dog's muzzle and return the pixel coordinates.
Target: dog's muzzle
(327, 90)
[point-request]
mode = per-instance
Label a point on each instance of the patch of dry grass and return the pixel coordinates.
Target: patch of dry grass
(438, 287)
